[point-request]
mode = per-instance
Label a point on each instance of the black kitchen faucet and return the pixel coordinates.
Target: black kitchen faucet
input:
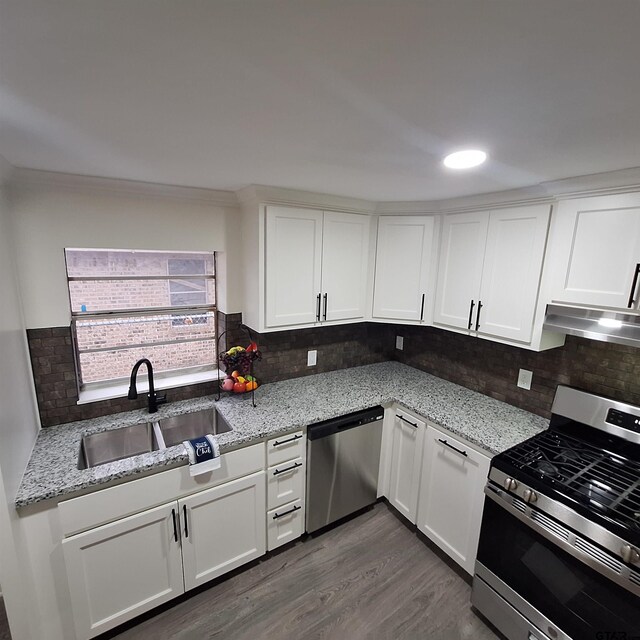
(154, 398)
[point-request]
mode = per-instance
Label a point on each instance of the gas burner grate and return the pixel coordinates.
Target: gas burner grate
(600, 480)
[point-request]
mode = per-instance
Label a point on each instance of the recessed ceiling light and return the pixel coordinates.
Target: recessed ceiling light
(465, 159)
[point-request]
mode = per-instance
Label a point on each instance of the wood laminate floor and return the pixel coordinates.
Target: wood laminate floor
(369, 578)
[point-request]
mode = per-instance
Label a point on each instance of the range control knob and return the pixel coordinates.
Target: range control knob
(629, 554)
(510, 484)
(529, 496)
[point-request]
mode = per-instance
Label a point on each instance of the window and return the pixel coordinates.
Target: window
(127, 305)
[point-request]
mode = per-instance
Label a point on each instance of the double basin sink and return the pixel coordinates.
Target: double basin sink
(125, 442)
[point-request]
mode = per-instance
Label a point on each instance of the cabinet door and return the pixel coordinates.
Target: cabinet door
(345, 259)
(462, 248)
(512, 270)
(403, 260)
(122, 569)
(293, 263)
(452, 496)
(406, 456)
(222, 528)
(597, 241)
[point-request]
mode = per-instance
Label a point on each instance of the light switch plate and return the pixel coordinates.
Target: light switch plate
(399, 343)
(312, 358)
(524, 379)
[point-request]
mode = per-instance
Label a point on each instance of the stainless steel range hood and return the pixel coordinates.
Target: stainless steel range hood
(607, 324)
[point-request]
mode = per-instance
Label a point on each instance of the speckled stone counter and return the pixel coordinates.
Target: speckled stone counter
(282, 406)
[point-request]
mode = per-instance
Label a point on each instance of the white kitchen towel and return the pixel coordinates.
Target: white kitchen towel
(204, 454)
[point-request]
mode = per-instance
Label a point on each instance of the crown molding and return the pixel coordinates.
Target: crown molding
(262, 194)
(6, 170)
(35, 178)
(620, 181)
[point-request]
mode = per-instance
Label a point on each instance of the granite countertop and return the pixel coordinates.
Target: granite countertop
(282, 406)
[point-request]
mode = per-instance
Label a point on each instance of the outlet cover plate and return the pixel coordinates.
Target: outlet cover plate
(524, 379)
(399, 343)
(312, 358)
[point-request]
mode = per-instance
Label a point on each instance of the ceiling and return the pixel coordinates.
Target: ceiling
(351, 97)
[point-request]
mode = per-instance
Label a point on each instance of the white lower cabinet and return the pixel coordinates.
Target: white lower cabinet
(122, 569)
(452, 495)
(406, 456)
(222, 529)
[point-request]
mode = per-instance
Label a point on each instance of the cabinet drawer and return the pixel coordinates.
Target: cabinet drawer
(287, 447)
(285, 524)
(285, 483)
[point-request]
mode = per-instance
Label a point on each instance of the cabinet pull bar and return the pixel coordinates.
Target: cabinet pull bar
(478, 316)
(326, 295)
(318, 308)
(296, 437)
(186, 526)
(175, 528)
(422, 309)
(473, 304)
(413, 424)
(446, 444)
(633, 287)
(295, 465)
(286, 513)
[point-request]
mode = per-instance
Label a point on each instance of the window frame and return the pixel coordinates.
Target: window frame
(180, 376)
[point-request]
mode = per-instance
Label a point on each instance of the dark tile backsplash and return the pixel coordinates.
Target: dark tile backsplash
(481, 365)
(492, 368)
(54, 375)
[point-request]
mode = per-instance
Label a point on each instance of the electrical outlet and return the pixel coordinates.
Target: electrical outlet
(399, 343)
(524, 379)
(312, 358)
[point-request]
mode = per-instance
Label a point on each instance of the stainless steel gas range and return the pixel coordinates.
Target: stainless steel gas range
(559, 551)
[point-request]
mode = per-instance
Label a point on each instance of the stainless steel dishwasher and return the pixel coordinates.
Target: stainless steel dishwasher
(343, 456)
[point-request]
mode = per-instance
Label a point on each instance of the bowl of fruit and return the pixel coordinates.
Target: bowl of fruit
(238, 363)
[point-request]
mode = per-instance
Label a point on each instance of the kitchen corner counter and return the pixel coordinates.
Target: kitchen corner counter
(282, 406)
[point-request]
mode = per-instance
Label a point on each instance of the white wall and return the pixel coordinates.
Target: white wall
(18, 430)
(49, 215)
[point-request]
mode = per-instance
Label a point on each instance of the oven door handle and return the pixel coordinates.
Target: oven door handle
(566, 544)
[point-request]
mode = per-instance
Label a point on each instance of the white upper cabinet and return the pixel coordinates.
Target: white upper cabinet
(316, 266)
(345, 259)
(293, 265)
(595, 249)
(511, 272)
(490, 269)
(404, 257)
(462, 249)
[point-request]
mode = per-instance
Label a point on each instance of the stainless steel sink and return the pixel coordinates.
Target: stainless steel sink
(191, 425)
(108, 446)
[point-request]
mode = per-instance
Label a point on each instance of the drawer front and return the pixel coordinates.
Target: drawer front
(285, 483)
(105, 505)
(285, 524)
(287, 447)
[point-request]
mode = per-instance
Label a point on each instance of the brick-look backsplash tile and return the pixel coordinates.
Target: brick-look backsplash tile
(492, 368)
(488, 367)
(54, 375)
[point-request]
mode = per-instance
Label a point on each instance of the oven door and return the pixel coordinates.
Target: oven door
(540, 576)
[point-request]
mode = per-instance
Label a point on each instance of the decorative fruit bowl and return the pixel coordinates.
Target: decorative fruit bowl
(238, 363)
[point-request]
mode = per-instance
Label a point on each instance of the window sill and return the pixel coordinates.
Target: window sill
(110, 392)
